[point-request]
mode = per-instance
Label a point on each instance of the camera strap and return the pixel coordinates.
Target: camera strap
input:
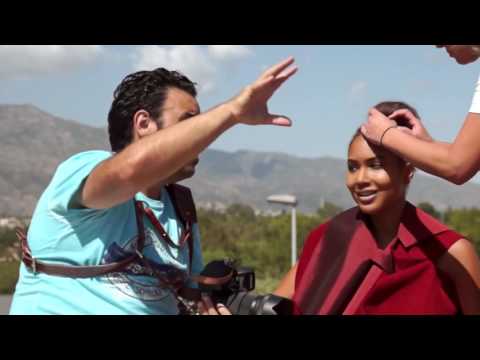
(184, 205)
(185, 208)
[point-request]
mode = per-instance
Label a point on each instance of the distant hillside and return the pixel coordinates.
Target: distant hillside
(33, 143)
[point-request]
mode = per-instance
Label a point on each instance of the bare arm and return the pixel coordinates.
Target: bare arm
(286, 288)
(457, 162)
(154, 158)
(462, 265)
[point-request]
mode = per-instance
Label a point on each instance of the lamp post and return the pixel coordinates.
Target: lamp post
(291, 201)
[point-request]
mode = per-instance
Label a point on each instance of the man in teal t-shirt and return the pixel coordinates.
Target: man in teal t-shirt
(86, 215)
(90, 236)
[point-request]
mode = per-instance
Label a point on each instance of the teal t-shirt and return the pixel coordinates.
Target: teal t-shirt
(61, 234)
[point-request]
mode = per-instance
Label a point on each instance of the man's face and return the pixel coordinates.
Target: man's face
(463, 54)
(179, 106)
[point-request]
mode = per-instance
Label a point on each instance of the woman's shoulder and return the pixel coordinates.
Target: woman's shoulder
(431, 230)
(434, 237)
(318, 233)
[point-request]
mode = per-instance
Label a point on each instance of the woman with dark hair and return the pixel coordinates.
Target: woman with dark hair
(384, 256)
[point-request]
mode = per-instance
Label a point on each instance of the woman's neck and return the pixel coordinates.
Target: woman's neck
(386, 223)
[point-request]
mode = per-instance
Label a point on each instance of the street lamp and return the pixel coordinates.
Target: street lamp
(291, 201)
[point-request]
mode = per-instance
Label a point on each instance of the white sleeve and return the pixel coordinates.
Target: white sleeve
(475, 108)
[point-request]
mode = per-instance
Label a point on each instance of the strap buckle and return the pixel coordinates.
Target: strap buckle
(139, 254)
(34, 265)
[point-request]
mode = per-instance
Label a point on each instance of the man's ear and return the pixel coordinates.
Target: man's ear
(143, 124)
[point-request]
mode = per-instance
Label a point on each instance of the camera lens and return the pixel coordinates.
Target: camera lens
(248, 303)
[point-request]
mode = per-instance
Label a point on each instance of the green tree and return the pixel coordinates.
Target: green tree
(430, 209)
(328, 210)
(466, 222)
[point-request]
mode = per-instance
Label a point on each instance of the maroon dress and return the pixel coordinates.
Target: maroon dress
(342, 270)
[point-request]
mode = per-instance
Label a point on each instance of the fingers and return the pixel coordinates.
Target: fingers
(278, 120)
(374, 112)
(222, 310)
(262, 82)
(209, 307)
(266, 87)
(251, 103)
(201, 308)
(206, 307)
(363, 130)
(275, 81)
(278, 68)
(417, 128)
(284, 76)
(405, 130)
(378, 119)
(407, 114)
(286, 73)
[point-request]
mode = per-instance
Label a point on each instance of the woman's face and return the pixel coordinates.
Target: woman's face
(376, 178)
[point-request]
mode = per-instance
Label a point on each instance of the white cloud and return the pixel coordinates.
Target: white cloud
(31, 60)
(190, 60)
(358, 91)
(198, 63)
(229, 52)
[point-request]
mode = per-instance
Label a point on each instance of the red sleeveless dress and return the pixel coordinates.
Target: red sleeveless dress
(341, 256)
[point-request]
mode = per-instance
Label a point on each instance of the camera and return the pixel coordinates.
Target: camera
(237, 293)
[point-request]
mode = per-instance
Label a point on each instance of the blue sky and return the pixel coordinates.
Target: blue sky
(327, 99)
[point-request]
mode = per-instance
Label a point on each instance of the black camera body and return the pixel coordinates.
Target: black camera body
(237, 294)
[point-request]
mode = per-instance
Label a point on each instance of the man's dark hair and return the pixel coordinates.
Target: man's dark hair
(145, 90)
